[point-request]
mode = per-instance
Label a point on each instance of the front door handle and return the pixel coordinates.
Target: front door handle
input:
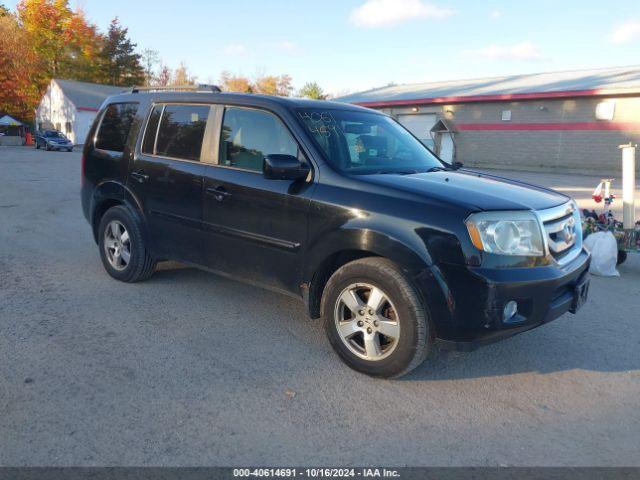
(219, 193)
(140, 176)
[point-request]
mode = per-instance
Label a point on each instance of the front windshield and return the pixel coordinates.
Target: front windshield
(356, 142)
(53, 134)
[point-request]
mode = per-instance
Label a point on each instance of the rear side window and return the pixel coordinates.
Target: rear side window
(115, 125)
(181, 131)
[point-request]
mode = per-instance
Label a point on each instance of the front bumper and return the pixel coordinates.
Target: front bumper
(477, 297)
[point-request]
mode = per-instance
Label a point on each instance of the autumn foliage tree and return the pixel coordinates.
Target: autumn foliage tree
(181, 76)
(67, 44)
(20, 84)
(235, 83)
(273, 85)
(266, 84)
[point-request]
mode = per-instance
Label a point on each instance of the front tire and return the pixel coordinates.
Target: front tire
(122, 248)
(374, 318)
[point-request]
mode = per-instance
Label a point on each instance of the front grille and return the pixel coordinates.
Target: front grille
(563, 231)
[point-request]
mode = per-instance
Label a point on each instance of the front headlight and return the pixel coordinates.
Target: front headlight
(506, 233)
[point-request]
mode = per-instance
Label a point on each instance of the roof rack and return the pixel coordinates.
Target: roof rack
(203, 87)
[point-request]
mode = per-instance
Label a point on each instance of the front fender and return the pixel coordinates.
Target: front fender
(410, 254)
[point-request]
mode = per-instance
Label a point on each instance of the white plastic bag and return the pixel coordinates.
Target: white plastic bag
(604, 254)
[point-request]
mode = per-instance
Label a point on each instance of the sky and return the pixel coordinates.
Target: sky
(354, 45)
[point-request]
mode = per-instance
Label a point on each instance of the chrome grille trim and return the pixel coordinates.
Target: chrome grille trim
(554, 221)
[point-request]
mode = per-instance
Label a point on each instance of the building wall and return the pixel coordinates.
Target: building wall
(57, 111)
(559, 134)
(84, 120)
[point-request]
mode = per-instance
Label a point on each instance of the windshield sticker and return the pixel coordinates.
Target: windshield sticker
(320, 123)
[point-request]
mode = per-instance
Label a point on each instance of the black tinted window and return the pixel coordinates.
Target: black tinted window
(182, 131)
(115, 126)
(151, 130)
(248, 135)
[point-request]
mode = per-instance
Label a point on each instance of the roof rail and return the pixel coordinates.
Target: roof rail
(203, 87)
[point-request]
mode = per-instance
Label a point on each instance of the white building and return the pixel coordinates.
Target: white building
(71, 107)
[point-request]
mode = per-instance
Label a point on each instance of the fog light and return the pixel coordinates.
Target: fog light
(510, 309)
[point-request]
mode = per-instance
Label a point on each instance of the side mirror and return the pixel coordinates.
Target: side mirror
(283, 167)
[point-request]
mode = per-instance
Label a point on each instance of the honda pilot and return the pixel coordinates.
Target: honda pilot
(338, 205)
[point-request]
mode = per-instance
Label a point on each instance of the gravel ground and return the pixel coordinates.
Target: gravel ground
(193, 369)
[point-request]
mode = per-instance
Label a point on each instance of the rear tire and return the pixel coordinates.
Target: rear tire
(122, 248)
(37, 145)
(375, 319)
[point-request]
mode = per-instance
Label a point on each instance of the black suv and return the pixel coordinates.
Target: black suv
(338, 205)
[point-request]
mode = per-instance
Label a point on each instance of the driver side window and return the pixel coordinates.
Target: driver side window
(248, 135)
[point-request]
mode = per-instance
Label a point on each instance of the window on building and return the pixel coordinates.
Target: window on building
(115, 125)
(248, 135)
(67, 128)
(181, 131)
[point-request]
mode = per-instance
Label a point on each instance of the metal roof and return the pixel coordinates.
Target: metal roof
(618, 80)
(86, 95)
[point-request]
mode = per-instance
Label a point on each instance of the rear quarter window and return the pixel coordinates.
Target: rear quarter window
(115, 126)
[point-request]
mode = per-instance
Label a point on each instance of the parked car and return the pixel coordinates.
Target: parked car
(337, 205)
(53, 140)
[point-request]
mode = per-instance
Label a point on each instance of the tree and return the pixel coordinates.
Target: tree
(65, 41)
(273, 85)
(121, 65)
(4, 11)
(20, 84)
(235, 83)
(164, 77)
(312, 90)
(150, 58)
(182, 77)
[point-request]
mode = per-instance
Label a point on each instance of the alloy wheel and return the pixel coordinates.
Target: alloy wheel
(117, 245)
(367, 321)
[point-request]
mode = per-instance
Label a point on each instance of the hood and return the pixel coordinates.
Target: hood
(476, 190)
(58, 140)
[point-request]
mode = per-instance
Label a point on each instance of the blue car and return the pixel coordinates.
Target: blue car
(53, 140)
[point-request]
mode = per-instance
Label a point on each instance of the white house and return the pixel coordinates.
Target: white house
(71, 107)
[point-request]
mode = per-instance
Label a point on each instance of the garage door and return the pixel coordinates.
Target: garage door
(419, 125)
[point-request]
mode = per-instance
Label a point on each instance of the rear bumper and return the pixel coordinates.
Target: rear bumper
(477, 301)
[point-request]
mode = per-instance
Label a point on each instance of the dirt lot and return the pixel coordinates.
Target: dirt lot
(193, 369)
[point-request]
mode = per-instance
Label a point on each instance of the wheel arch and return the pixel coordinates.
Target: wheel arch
(106, 195)
(339, 248)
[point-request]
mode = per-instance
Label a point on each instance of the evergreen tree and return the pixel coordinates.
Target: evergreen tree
(121, 64)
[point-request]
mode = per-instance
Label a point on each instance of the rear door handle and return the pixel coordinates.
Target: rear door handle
(219, 193)
(140, 176)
